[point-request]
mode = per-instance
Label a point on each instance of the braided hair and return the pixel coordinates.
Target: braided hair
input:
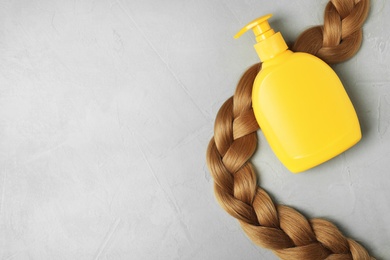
(280, 228)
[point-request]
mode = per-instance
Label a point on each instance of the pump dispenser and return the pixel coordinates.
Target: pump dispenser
(269, 43)
(299, 102)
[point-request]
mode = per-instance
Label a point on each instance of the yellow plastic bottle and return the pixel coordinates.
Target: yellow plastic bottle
(299, 103)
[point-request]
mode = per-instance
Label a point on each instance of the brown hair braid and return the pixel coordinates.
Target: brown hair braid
(280, 228)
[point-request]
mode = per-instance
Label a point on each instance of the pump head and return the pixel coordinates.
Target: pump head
(269, 44)
(259, 26)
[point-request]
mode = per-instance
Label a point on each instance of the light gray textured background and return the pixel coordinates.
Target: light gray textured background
(106, 110)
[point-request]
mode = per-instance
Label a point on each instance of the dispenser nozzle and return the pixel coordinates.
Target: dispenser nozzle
(259, 26)
(269, 44)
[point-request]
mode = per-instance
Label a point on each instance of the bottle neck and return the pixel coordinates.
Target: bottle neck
(271, 46)
(278, 59)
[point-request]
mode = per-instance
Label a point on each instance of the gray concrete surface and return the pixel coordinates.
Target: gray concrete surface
(106, 110)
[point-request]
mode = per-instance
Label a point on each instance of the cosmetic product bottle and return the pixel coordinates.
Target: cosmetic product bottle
(299, 103)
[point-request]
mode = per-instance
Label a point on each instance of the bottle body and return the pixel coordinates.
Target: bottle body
(303, 110)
